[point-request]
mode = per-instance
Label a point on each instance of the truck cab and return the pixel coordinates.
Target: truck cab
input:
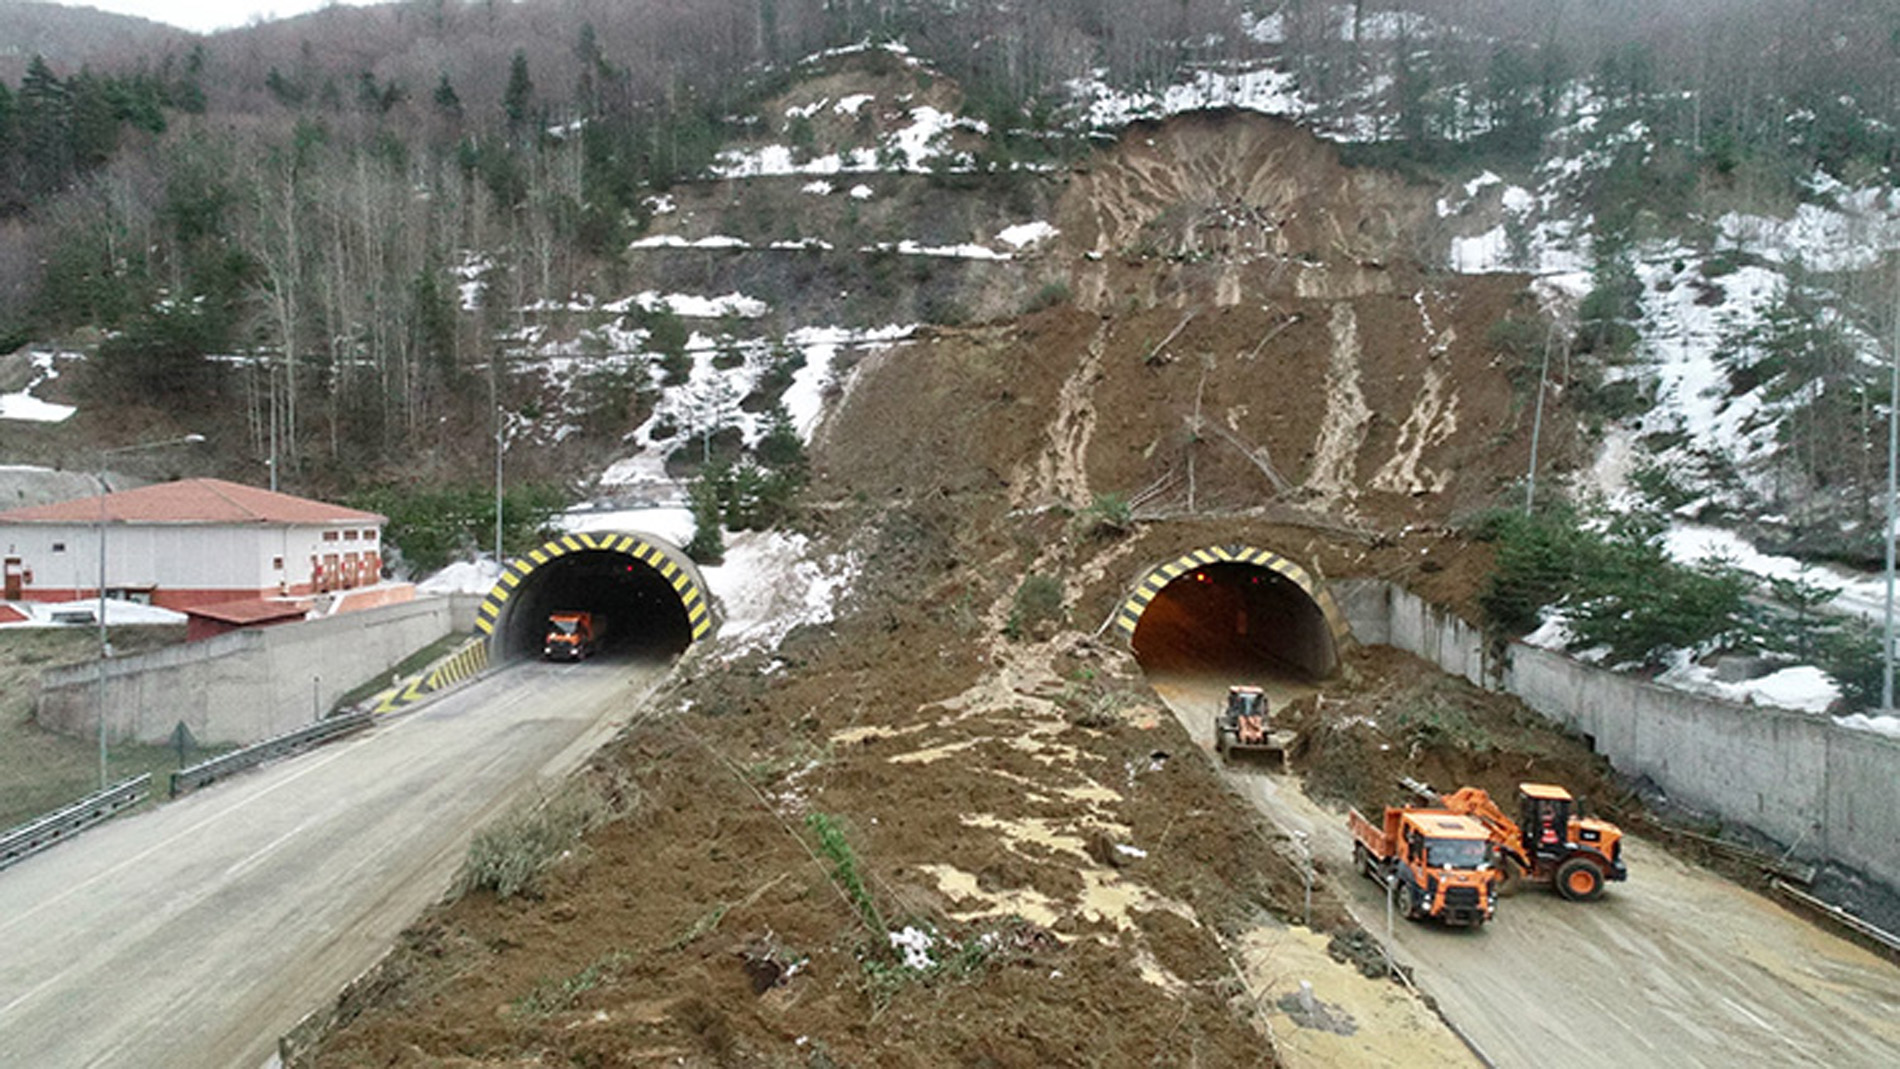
(1441, 865)
(572, 636)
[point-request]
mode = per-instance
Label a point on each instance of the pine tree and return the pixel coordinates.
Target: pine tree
(45, 130)
(445, 98)
(518, 98)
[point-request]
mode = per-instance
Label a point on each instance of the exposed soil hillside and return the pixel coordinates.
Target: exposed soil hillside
(1090, 885)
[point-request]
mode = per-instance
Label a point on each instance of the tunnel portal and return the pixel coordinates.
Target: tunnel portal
(1234, 609)
(648, 590)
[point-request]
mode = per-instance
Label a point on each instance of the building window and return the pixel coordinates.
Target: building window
(349, 536)
(277, 563)
(59, 547)
(369, 536)
(329, 536)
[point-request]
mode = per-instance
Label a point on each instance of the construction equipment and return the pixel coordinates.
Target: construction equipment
(573, 635)
(1244, 725)
(1554, 843)
(1439, 863)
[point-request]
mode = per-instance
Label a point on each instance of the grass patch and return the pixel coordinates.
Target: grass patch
(844, 867)
(552, 995)
(511, 856)
(41, 771)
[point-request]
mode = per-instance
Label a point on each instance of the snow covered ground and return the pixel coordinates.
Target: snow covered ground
(22, 405)
(85, 613)
(770, 584)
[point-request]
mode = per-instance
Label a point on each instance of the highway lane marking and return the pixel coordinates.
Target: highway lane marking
(318, 761)
(220, 814)
(313, 763)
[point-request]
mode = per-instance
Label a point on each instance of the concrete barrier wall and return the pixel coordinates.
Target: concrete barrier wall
(1825, 791)
(462, 611)
(244, 686)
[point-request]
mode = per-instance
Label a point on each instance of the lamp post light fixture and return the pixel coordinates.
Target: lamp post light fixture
(105, 643)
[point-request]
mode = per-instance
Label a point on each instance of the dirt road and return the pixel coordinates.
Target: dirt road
(193, 935)
(1676, 967)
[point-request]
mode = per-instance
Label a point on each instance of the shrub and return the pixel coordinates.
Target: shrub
(510, 856)
(844, 867)
(1107, 516)
(1038, 600)
(1048, 296)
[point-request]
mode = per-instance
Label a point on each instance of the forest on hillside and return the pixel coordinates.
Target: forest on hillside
(290, 217)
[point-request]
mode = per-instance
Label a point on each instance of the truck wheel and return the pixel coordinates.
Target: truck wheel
(1362, 860)
(1513, 880)
(1579, 880)
(1225, 741)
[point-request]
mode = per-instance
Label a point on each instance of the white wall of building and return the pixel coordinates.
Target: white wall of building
(179, 556)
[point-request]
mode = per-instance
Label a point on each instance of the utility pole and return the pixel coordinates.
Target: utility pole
(1537, 423)
(1893, 505)
(498, 558)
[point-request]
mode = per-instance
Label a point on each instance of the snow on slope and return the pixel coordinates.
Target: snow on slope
(22, 405)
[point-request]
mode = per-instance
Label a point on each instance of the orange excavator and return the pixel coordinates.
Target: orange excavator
(1554, 843)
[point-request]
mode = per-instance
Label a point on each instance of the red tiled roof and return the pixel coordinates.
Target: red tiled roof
(196, 501)
(253, 611)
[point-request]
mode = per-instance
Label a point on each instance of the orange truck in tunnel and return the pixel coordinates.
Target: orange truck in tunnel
(1440, 864)
(573, 636)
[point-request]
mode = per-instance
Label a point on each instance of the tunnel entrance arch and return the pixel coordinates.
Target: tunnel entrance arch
(1229, 607)
(649, 591)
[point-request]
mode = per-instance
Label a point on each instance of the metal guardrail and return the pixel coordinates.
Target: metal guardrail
(58, 826)
(1882, 942)
(198, 775)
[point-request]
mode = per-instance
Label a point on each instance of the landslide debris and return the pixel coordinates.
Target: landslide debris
(954, 826)
(1039, 861)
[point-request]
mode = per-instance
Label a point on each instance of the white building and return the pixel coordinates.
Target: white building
(190, 543)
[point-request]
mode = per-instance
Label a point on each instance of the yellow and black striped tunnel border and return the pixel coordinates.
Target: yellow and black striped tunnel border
(468, 661)
(1157, 578)
(670, 561)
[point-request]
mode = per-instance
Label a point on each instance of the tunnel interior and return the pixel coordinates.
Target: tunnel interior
(644, 615)
(1239, 620)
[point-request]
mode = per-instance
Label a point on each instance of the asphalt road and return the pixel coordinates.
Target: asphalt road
(193, 935)
(1675, 967)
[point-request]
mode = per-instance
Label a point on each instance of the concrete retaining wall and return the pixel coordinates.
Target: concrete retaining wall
(1827, 791)
(244, 686)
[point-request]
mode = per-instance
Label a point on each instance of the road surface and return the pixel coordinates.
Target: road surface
(1675, 967)
(193, 935)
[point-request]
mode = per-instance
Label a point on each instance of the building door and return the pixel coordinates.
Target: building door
(14, 572)
(329, 572)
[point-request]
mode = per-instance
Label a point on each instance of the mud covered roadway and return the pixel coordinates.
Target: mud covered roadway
(1676, 966)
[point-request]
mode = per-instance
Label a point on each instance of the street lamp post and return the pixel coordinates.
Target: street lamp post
(498, 445)
(105, 643)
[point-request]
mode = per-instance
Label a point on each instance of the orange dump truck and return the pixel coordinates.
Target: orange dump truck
(573, 636)
(1441, 864)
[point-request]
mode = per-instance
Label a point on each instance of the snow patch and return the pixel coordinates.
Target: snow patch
(1026, 234)
(673, 524)
(118, 613)
(25, 407)
(768, 586)
(463, 577)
